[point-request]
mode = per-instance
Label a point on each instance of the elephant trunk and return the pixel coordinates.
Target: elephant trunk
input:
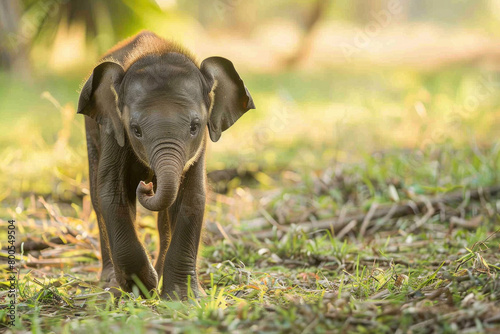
(167, 166)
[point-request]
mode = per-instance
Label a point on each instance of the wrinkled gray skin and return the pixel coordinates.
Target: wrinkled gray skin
(146, 138)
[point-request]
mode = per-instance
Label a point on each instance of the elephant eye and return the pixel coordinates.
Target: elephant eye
(137, 131)
(194, 128)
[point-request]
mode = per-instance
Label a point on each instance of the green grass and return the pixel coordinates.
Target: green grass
(319, 146)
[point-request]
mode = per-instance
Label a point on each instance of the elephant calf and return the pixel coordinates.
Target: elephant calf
(148, 104)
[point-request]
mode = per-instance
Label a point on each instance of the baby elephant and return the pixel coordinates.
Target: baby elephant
(148, 105)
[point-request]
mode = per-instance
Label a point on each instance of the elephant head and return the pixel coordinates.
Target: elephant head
(159, 107)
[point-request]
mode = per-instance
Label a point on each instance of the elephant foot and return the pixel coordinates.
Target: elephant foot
(111, 286)
(147, 276)
(107, 280)
(179, 290)
(107, 274)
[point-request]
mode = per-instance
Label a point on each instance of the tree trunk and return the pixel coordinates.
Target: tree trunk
(13, 46)
(304, 48)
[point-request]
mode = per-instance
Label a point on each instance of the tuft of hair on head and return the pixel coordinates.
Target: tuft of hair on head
(152, 44)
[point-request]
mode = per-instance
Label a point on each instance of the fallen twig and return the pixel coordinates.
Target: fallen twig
(383, 211)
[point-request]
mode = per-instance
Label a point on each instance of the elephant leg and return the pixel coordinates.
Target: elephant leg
(118, 208)
(107, 272)
(187, 213)
(128, 255)
(92, 131)
(165, 229)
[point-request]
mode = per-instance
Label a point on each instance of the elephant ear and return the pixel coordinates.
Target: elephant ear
(99, 100)
(231, 98)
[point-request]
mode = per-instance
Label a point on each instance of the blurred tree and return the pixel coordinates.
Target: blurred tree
(13, 55)
(317, 12)
(364, 9)
(118, 18)
(367, 10)
(236, 15)
(23, 22)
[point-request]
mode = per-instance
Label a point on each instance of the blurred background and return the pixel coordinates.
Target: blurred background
(374, 151)
(334, 81)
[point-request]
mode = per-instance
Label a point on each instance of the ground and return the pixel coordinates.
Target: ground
(351, 200)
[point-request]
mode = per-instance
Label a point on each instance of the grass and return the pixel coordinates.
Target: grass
(320, 146)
